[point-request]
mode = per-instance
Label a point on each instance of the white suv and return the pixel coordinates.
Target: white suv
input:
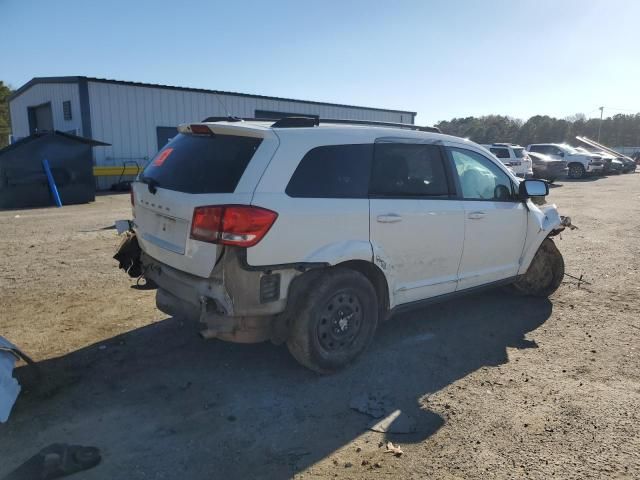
(579, 164)
(513, 156)
(312, 232)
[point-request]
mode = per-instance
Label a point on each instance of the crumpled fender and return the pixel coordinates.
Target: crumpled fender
(541, 222)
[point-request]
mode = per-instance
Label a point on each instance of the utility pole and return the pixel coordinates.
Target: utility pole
(600, 124)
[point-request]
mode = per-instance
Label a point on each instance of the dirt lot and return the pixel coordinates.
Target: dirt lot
(499, 386)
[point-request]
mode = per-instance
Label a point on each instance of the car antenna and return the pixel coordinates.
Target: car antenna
(224, 107)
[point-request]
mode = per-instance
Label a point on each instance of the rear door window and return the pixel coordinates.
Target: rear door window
(518, 152)
(500, 152)
(408, 170)
(333, 171)
(202, 163)
(539, 148)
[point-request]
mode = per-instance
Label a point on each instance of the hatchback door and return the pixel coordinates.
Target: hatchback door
(495, 220)
(417, 227)
(193, 170)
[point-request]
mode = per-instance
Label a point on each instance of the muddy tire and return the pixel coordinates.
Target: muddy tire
(333, 320)
(545, 273)
(576, 170)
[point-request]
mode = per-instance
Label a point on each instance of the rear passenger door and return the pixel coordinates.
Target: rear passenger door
(416, 224)
(495, 220)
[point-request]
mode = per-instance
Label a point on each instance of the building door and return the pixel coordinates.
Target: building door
(40, 118)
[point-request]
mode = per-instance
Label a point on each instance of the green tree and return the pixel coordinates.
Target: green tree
(616, 131)
(5, 119)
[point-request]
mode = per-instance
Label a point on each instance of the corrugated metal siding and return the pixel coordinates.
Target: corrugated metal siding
(56, 93)
(127, 116)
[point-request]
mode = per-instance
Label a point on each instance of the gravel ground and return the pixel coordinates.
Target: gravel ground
(498, 386)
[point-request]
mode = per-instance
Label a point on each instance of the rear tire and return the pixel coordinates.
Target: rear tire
(545, 273)
(576, 170)
(333, 320)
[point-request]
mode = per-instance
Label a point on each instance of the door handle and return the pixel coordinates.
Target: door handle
(476, 215)
(389, 218)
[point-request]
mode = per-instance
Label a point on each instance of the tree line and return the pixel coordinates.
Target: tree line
(616, 131)
(5, 118)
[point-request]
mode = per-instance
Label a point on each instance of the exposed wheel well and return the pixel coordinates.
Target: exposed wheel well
(375, 276)
(299, 285)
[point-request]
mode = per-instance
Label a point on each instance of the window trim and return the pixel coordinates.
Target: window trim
(451, 161)
(451, 188)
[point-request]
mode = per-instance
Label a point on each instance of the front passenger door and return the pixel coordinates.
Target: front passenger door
(495, 220)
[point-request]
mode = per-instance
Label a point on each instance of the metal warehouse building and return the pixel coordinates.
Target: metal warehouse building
(137, 119)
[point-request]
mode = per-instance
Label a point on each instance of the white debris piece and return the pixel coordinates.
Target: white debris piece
(9, 386)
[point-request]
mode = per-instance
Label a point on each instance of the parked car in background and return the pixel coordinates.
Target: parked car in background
(311, 232)
(547, 168)
(611, 164)
(629, 165)
(513, 156)
(579, 164)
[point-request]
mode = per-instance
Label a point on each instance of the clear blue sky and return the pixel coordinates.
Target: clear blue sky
(442, 59)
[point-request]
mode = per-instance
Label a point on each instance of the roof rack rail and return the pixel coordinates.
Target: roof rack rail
(296, 122)
(375, 123)
(302, 121)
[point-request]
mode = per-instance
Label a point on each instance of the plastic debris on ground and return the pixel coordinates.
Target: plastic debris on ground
(55, 461)
(396, 422)
(395, 449)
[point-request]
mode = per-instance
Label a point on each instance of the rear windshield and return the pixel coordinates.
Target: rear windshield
(201, 164)
(519, 152)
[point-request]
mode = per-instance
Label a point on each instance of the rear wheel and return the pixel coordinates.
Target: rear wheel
(334, 320)
(576, 170)
(545, 273)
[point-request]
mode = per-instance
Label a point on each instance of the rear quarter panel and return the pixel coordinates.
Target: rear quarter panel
(329, 230)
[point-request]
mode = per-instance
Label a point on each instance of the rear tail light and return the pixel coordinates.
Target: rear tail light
(200, 129)
(240, 225)
(133, 202)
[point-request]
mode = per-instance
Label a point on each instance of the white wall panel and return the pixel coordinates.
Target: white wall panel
(127, 115)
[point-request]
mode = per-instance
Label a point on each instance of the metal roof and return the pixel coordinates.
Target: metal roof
(77, 79)
(53, 133)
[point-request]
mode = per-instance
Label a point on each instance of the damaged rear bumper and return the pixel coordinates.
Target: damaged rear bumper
(235, 303)
(228, 311)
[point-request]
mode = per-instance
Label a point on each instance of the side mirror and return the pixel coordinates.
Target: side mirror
(533, 188)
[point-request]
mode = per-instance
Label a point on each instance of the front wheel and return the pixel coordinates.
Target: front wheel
(545, 273)
(576, 170)
(334, 320)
